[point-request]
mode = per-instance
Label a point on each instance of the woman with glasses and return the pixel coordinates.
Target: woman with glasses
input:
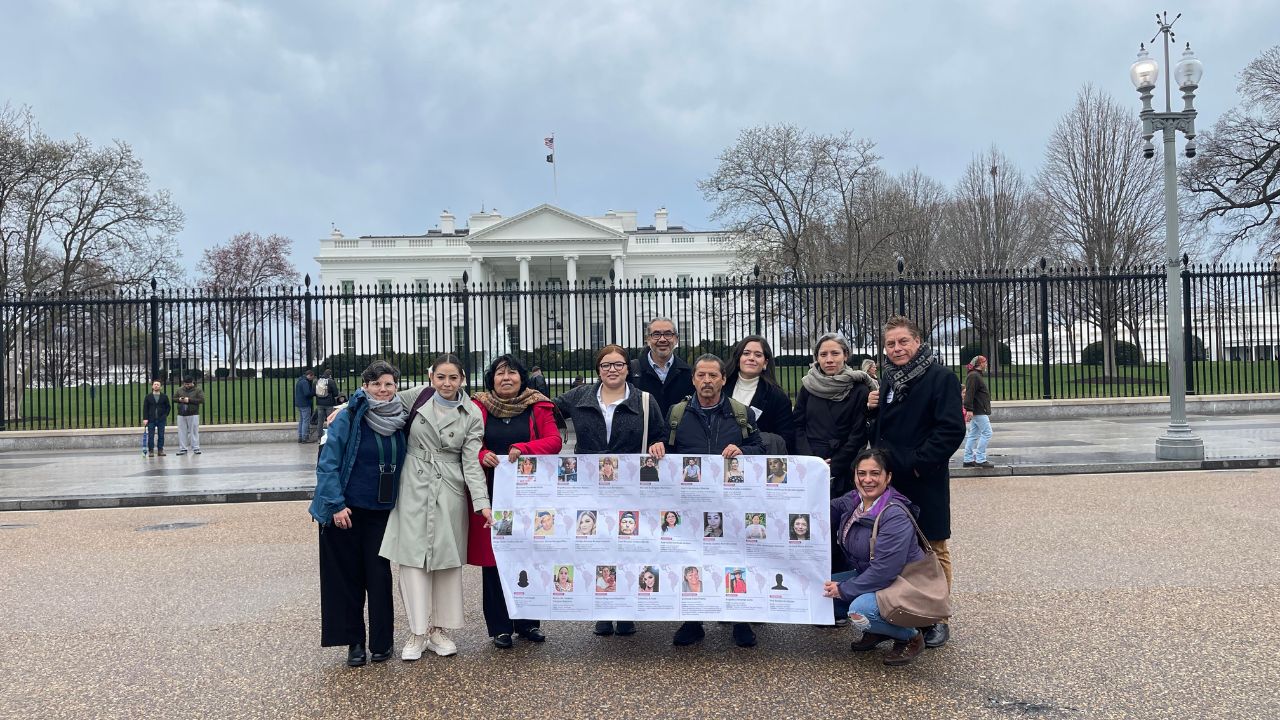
(608, 417)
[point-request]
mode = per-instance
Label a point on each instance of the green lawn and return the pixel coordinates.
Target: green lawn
(271, 399)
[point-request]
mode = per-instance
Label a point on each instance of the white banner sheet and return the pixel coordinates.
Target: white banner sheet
(687, 537)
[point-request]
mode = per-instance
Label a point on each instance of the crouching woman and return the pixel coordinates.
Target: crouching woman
(896, 544)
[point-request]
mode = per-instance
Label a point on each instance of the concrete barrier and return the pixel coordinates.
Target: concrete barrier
(132, 437)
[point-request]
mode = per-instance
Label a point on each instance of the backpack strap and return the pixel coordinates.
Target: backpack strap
(674, 416)
(740, 414)
(423, 397)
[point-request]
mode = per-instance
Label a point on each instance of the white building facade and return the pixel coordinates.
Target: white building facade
(569, 261)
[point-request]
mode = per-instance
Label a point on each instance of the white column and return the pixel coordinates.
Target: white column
(617, 266)
(526, 333)
(477, 269)
(571, 329)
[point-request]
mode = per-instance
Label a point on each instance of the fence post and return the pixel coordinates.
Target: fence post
(1188, 352)
(613, 305)
(902, 288)
(306, 319)
(1046, 379)
(466, 325)
(759, 325)
(155, 334)
(4, 367)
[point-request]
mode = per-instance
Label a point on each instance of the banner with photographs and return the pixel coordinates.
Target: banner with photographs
(687, 537)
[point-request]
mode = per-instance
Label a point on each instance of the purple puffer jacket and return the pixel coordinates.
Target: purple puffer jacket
(896, 543)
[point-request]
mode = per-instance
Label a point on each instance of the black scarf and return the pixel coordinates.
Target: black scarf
(900, 378)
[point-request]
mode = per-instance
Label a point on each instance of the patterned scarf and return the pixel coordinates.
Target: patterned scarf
(509, 408)
(900, 378)
(833, 387)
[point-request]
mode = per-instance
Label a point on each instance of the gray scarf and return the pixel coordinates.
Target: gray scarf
(833, 387)
(386, 416)
(902, 377)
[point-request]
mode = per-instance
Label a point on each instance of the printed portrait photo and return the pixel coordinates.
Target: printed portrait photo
(798, 524)
(733, 471)
(586, 523)
(608, 468)
(777, 582)
(526, 465)
(735, 580)
(692, 582)
(649, 579)
(606, 578)
(670, 521)
(648, 469)
(567, 470)
(775, 470)
(691, 470)
(564, 578)
(544, 523)
(755, 525)
(501, 522)
(628, 523)
(712, 524)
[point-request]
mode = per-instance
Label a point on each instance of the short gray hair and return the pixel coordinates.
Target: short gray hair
(648, 327)
(708, 357)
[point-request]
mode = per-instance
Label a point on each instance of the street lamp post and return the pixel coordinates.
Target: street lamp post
(1178, 441)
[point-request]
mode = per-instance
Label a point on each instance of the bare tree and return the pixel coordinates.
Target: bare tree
(1104, 206)
(1235, 179)
(238, 271)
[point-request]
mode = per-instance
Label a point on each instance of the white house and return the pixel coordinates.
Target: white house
(543, 248)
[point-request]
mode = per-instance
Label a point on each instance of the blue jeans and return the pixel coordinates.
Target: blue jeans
(304, 419)
(865, 605)
(976, 439)
(155, 436)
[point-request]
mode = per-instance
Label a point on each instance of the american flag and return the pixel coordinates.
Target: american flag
(550, 143)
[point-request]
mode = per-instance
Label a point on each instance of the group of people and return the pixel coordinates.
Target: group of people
(156, 408)
(406, 476)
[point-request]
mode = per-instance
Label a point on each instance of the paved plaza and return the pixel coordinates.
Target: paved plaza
(1144, 595)
(46, 479)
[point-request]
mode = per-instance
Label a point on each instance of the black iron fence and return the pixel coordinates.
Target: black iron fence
(86, 361)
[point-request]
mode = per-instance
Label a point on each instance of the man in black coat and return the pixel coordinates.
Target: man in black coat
(920, 424)
(709, 426)
(155, 415)
(659, 372)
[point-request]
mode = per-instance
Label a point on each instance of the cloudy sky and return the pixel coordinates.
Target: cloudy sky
(285, 117)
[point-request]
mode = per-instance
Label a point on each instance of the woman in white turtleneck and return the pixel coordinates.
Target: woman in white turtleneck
(750, 381)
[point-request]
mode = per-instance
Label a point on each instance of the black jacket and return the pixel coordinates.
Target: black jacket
(709, 431)
(835, 431)
(679, 384)
(921, 432)
(156, 410)
(775, 411)
(580, 405)
(539, 382)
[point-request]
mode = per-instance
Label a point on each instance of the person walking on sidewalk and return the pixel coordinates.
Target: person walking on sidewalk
(304, 392)
(977, 412)
(155, 415)
(920, 425)
(190, 398)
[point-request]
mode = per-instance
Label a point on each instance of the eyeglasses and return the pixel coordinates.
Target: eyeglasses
(605, 367)
(662, 334)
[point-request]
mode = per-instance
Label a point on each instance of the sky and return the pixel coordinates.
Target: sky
(289, 116)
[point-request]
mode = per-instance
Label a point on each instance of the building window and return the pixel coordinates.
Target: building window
(384, 288)
(595, 281)
(683, 282)
(459, 338)
(385, 345)
(456, 284)
(348, 341)
(420, 287)
(348, 289)
(424, 340)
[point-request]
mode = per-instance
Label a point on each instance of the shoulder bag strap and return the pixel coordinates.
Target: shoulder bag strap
(920, 537)
(644, 438)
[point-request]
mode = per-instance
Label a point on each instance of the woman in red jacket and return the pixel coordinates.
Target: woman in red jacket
(518, 420)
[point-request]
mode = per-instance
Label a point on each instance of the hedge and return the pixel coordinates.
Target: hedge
(1127, 354)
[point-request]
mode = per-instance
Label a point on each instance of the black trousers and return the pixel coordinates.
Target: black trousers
(495, 606)
(350, 569)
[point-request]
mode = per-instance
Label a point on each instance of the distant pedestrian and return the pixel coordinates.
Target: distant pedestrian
(155, 415)
(303, 392)
(539, 382)
(326, 393)
(869, 367)
(190, 398)
(977, 412)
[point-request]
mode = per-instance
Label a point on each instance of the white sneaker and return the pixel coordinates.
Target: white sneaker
(414, 647)
(440, 644)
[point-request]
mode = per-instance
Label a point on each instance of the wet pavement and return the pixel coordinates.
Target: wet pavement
(1146, 595)
(48, 479)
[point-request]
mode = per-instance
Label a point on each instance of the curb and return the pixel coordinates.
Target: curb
(1241, 463)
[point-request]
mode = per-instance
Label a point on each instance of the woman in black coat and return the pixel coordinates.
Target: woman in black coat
(750, 381)
(608, 417)
(831, 411)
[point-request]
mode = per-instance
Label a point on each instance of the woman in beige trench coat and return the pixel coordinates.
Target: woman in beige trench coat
(427, 531)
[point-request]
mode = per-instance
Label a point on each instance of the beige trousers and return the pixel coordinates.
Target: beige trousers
(432, 598)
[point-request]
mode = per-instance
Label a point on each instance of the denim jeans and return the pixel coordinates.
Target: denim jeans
(865, 605)
(155, 436)
(304, 419)
(976, 439)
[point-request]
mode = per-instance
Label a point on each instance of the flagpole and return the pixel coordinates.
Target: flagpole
(555, 182)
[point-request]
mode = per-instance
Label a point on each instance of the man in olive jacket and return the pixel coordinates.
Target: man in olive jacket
(190, 397)
(920, 425)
